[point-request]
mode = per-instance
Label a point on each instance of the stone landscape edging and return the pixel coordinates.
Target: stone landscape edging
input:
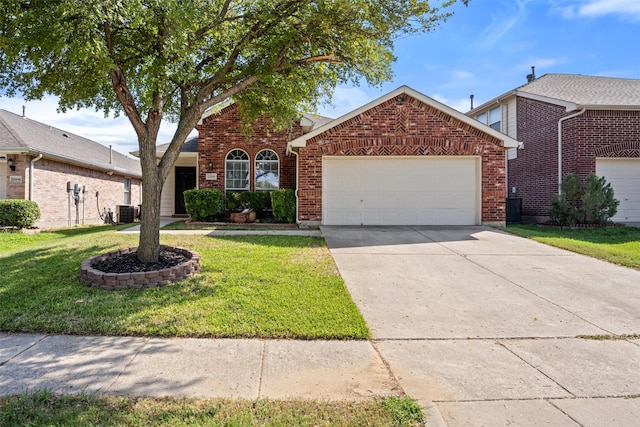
(142, 279)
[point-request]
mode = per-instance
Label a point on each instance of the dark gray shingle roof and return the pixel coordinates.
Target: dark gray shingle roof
(190, 146)
(21, 134)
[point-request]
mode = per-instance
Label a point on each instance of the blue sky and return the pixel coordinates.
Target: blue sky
(485, 49)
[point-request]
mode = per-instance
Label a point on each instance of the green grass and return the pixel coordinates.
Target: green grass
(182, 225)
(250, 286)
(46, 409)
(619, 245)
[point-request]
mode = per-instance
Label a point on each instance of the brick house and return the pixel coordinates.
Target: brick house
(590, 123)
(403, 159)
(41, 163)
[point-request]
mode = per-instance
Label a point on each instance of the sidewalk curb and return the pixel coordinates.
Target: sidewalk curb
(432, 416)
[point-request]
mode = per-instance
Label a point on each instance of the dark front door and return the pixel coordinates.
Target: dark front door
(185, 180)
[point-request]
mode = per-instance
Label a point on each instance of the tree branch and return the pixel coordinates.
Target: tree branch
(119, 83)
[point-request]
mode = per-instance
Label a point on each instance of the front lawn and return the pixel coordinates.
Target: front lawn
(250, 286)
(46, 409)
(619, 245)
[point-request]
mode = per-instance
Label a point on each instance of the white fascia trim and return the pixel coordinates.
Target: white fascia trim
(570, 106)
(611, 107)
(490, 104)
(215, 109)
(507, 141)
(70, 161)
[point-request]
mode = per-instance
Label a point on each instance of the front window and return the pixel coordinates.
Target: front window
(490, 118)
(127, 191)
(237, 170)
(267, 171)
(494, 118)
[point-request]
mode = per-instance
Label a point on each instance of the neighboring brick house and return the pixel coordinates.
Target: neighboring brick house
(592, 123)
(38, 161)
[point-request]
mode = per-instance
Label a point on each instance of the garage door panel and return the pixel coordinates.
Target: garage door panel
(400, 190)
(624, 177)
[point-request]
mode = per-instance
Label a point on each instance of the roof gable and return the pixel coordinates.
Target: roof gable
(21, 134)
(403, 90)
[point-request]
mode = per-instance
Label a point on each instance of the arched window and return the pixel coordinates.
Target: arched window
(267, 171)
(237, 170)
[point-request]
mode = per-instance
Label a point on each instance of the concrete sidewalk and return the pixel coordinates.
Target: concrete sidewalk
(224, 232)
(232, 368)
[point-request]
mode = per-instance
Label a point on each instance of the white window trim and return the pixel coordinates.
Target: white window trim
(248, 161)
(255, 182)
(127, 191)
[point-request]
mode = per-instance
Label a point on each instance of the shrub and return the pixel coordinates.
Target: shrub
(259, 201)
(203, 205)
(283, 203)
(578, 204)
(18, 213)
(565, 207)
(598, 203)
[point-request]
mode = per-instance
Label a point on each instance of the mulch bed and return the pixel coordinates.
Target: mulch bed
(129, 263)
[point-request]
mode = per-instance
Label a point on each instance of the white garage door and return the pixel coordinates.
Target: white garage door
(624, 176)
(400, 190)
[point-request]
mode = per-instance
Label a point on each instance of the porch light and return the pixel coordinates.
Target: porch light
(210, 165)
(12, 166)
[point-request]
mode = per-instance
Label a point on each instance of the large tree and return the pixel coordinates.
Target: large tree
(173, 59)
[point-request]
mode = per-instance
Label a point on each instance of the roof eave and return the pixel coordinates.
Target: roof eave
(495, 101)
(46, 155)
(609, 107)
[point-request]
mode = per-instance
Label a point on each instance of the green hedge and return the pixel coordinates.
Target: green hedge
(259, 201)
(18, 213)
(283, 203)
(203, 205)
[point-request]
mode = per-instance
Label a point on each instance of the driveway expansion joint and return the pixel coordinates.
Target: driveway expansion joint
(535, 367)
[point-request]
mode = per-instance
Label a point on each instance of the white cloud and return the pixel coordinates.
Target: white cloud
(500, 25)
(541, 64)
(626, 9)
(89, 124)
(463, 105)
(463, 75)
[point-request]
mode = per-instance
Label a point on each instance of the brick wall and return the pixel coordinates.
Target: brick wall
(600, 134)
(534, 172)
(57, 208)
(403, 127)
(593, 134)
(220, 133)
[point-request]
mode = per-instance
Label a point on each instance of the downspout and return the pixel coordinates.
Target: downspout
(562, 119)
(290, 151)
(35, 159)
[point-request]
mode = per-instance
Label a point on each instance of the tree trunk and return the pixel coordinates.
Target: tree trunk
(152, 182)
(149, 244)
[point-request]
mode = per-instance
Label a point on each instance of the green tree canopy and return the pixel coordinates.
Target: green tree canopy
(173, 59)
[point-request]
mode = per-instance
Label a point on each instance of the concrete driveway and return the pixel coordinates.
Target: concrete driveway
(484, 328)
